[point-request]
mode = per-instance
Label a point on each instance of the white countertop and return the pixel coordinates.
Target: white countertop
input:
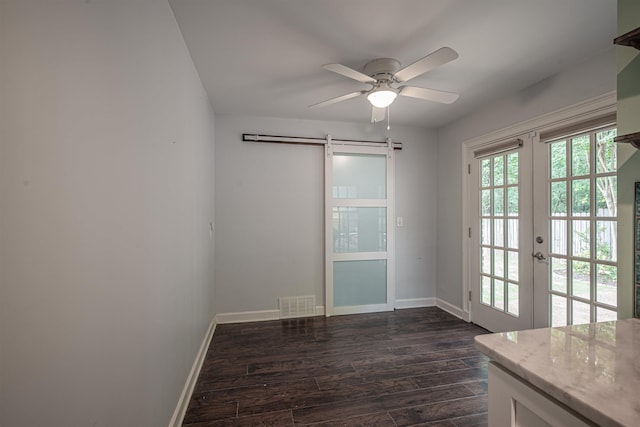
(592, 368)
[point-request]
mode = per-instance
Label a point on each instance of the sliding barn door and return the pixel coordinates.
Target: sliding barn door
(359, 232)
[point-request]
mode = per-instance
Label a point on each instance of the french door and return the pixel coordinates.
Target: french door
(543, 231)
(576, 228)
(359, 232)
(500, 231)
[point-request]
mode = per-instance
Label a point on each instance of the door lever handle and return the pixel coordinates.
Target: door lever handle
(539, 256)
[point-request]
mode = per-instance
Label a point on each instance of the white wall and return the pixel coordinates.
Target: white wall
(269, 211)
(106, 189)
(587, 80)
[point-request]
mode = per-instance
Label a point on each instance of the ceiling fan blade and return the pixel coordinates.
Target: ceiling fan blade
(349, 72)
(337, 99)
(429, 62)
(378, 114)
(428, 94)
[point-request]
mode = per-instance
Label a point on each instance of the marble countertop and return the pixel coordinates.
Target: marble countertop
(592, 368)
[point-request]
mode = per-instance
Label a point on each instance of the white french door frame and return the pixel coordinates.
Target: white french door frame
(388, 203)
(583, 111)
(540, 229)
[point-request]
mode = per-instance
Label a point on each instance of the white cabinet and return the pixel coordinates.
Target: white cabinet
(514, 402)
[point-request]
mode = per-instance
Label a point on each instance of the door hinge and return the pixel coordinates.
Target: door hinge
(469, 232)
(469, 168)
(469, 295)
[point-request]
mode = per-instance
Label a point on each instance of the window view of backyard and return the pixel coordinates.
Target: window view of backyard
(583, 228)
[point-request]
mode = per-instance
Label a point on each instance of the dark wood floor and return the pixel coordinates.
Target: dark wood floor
(414, 367)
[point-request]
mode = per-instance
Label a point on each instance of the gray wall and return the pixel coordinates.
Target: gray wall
(269, 207)
(592, 78)
(106, 190)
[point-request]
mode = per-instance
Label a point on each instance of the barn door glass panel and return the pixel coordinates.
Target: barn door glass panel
(360, 283)
(358, 229)
(359, 176)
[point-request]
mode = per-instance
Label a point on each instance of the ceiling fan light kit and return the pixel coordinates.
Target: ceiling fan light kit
(382, 96)
(383, 72)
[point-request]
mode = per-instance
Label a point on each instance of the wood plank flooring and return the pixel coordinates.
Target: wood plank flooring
(413, 367)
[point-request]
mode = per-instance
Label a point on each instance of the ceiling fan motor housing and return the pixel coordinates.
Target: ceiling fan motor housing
(382, 69)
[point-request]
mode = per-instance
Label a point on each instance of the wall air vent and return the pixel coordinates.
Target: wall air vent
(292, 307)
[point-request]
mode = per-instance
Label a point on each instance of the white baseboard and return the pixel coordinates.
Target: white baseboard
(247, 316)
(187, 391)
(452, 309)
(415, 302)
(360, 309)
(257, 316)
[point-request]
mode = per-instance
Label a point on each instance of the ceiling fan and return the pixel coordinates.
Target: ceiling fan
(382, 73)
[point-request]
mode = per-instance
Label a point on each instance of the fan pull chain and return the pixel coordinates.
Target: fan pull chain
(388, 117)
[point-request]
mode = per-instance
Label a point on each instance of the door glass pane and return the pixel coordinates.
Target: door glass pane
(558, 159)
(559, 237)
(606, 284)
(606, 240)
(606, 196)
(604, 315)
(512, 168)
(359, 282)
(498, 232)
(558, 274)
(359, 176)
(485, 202)
(485, 231)
(558, 311)
(358, 229)
(498, 294)
(581, 233)
(512, 201)
(512, 233)
(580, 155)
(485, 296)
(581, 312)
(485, 166)
(606, 151)
(498, 201)
(580, 197)
(512, 297)
(486, 260)
(512, 272)
(581, 279)
(498, 170)
(558, 198)
(498, 260)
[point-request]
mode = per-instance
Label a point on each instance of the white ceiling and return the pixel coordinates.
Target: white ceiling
(264, 57)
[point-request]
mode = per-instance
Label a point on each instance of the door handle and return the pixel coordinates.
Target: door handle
(539, 256)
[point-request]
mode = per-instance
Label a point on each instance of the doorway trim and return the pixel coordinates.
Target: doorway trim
(582, 111)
